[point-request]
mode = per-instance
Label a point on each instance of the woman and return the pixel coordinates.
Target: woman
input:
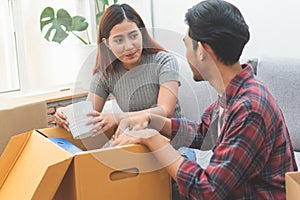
(132, 67)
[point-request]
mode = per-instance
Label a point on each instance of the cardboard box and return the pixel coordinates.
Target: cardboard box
(19, 115)
(33, 167)
(292, 181)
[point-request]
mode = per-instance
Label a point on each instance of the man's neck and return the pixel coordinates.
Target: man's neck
(227, 73)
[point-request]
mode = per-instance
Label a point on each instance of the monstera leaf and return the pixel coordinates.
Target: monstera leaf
(62, 24)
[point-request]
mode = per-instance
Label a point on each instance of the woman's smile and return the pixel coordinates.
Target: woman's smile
(130, 55)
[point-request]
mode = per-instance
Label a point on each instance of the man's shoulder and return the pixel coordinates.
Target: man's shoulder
(256, 98)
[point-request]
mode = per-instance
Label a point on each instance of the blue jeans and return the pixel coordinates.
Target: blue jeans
(189, 154)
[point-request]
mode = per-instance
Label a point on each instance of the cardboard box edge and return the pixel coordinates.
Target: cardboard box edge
(11, 154)
(291, 184)
(54, 183)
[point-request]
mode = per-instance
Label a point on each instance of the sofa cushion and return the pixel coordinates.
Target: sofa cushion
(282, 76)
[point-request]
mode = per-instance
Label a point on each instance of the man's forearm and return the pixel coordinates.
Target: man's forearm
(155, 120)
(161, 124)
(168, 157)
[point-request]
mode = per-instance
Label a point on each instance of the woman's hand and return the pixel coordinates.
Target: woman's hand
(61, 119)
(102, 122)
(136, 122)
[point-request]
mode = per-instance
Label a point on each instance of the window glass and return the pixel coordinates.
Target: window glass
(9, 80)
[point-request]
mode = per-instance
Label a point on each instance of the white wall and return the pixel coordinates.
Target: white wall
(142, 7)
(274, 25)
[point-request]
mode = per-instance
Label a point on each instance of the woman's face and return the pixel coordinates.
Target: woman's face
(125, 41)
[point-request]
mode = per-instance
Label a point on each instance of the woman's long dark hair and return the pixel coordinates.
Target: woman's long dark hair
(112, 16)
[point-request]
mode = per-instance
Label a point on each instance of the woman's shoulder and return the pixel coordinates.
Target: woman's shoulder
(161, 56)
(164, 54)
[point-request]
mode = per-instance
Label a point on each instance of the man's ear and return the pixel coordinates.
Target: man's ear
(202, 50)
(105, 41)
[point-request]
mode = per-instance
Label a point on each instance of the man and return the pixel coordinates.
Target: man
(253, 150)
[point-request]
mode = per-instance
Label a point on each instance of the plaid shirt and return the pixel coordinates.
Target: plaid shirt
(252, 153)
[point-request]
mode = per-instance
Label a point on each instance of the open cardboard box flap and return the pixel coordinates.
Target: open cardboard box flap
(32, 167)
(292, 180)
(90, 143)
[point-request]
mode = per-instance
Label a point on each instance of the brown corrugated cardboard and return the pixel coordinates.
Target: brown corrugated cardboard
(103, 173)
(29, 170)
(117, 173)
(19, 115)
(127, 172)
(292, 180)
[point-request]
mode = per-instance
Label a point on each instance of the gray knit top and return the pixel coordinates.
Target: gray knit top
(138, 88)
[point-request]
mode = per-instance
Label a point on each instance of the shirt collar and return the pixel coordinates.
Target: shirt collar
(234, 85)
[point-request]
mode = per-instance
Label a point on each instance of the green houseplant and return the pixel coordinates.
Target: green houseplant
(64, 24)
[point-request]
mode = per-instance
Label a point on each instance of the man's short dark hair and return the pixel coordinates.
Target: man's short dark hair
(220, 25)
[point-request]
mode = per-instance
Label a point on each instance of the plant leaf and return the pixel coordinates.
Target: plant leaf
(59, 35)
(79, 24)
(47, 16)
(115, 1)
(105, 2)
(63, 20)
(61, 24)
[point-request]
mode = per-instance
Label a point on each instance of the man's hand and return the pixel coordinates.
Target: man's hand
(135, 137)
(133, 123)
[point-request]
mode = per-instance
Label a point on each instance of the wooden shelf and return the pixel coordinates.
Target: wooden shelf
(61, 95)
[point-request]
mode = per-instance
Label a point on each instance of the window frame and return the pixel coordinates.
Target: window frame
(11, 65)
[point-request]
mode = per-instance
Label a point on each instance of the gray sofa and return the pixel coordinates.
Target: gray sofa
(282, 75)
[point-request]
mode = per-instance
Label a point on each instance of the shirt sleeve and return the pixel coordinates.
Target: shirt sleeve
(187, 133)
(99, 86)
(169, 70)
(234, 160)
(191, 133)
